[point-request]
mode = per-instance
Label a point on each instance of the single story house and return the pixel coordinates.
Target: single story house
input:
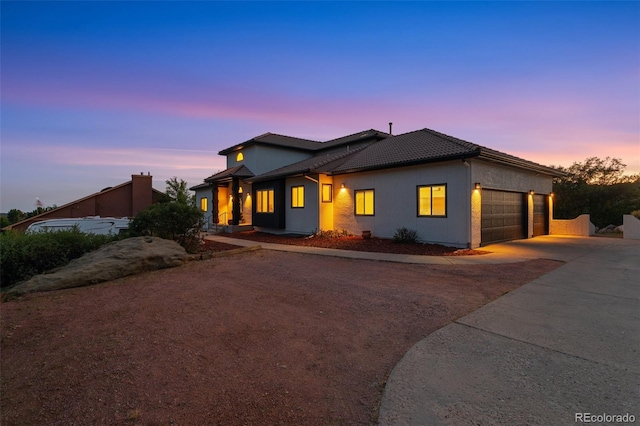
(124, 200)
(450, 191)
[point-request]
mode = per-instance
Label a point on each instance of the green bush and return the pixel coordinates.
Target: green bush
(25, 255)
(405, 236)
(173, 221)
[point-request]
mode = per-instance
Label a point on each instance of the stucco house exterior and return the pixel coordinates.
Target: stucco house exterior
(450, 191)
(124, 200)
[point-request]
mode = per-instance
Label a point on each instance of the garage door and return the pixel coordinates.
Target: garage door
(540, 215)
(503, 216)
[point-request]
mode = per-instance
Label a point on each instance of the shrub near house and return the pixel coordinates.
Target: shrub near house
(25, 255)
(179, 220)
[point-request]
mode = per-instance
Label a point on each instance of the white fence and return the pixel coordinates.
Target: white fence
(580, 226)
(631, 226)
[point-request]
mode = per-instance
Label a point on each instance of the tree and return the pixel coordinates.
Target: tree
(596, 171)
(15, 215)
(179, 219)
(597, 187)
(178, 191)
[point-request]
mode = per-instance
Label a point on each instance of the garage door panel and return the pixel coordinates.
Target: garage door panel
(503, 216)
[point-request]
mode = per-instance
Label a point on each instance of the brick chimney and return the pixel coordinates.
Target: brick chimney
(141, 192)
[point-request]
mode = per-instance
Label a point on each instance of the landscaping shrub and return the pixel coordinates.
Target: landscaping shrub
(173, 221)
(405, 236)
(332, 234)
(25, 255)
(636, 213)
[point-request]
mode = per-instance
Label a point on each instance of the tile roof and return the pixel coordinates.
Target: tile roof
(321, 163)
(200, 186)
(356, 137)
(414, 147)
(420, 146)
(275, 139)
(306, 144)
(237, 171)
(424, 146)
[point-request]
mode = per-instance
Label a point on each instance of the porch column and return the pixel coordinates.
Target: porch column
(235, 208)
(214, 203)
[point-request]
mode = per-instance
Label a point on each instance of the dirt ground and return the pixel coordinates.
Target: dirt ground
(259, 338)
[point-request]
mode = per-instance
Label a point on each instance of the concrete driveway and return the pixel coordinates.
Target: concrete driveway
(563, 349)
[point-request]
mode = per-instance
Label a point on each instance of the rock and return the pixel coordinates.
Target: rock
(111, 261)
(619, 229)
(608, 228)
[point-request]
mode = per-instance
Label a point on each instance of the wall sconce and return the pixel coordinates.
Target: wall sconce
(531, 192)
(240, 190)
(551, 194)
(342, 186)
(477, 185)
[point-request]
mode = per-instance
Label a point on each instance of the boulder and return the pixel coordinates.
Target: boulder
(111, 261)
(608, 228)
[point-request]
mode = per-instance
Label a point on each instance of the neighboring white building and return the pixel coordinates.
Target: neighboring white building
(450, 191)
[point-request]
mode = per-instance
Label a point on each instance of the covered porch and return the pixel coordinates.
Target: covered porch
(231, 197)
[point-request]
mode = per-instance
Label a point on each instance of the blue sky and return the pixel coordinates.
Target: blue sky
(93, 92)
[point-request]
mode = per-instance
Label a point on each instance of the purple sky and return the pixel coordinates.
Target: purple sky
(93, 92)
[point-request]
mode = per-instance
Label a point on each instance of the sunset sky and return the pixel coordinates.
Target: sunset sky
(93, 92)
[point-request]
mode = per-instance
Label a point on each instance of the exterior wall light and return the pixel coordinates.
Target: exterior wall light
(342, 186)
(531, 192)
(477, 185)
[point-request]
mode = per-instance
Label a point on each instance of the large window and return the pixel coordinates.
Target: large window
(327, 192)
(297, 197)
(364, 202)
(432, 200)
(265, 201)
(203, 204)
(239, 157)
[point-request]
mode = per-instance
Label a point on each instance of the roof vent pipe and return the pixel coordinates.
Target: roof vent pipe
(390, 126)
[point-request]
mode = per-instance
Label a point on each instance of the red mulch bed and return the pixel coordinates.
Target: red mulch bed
(356, 243)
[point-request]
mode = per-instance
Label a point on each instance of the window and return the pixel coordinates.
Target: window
(265, 201)
(297, 197)
(203, 204)
(239, 157)
(364, 202)
(327, 192)
(432, 200)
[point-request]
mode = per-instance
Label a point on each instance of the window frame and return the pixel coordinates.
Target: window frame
(446, 200)
(330, 186)
(295, 200)
(259, 200)
(373, 202)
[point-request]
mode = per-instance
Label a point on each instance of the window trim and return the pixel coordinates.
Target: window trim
(355, 202)
(330, 186)
(259, 201)
(446, 200)
(297, 198)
